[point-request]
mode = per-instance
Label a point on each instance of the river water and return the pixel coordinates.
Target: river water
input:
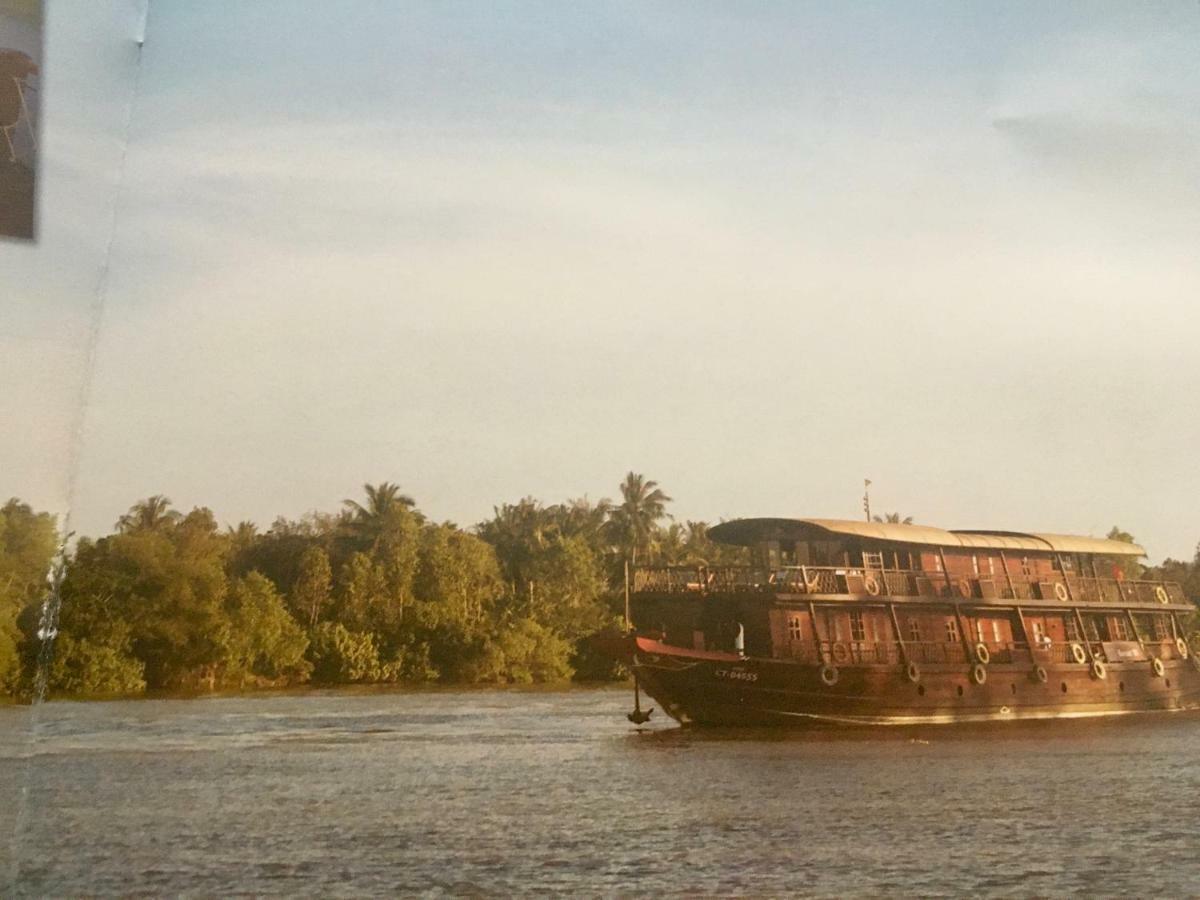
(503, 792)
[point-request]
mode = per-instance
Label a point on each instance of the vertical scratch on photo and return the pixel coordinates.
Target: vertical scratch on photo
(52, 604)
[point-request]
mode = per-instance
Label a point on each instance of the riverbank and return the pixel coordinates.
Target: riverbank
(349, 690)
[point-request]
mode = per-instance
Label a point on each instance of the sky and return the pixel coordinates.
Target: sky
(756, 251)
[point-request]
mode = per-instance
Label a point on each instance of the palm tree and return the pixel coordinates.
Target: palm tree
(150, 514)
(242, 535)
(642, 504)
(383, 500)
(894, 519)
(385, 504)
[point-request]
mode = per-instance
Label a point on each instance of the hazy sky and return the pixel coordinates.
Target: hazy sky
(756, 251)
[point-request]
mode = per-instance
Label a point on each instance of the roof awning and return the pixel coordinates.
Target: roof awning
(744, 532)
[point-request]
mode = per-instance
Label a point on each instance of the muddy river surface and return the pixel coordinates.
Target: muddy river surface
(519, 792)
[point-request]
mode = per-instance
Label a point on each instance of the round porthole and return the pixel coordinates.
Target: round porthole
(920, 690)
(1121, 686)
(1064, 687)
(960, 690)
(1014, 688)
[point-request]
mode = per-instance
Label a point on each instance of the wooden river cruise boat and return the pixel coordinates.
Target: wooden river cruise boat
(869, 623)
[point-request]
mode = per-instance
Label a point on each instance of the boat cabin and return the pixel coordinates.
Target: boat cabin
(877, 593)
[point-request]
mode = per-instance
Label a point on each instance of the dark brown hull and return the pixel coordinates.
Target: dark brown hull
(756, 692)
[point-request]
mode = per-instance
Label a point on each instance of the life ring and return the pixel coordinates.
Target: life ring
(913, 672)
(964, 587)
(829, 675)
(979, 673)
(982, 654)
(1182, 646)
(1099, 670)
(812, 582)
(1040, 675)
(1061, 592)
(840, 652)
(871, 585)
(1161, 594)
(1078, 653)
(1157, 667)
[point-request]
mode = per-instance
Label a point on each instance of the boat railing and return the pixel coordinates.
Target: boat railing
(860, 652)
(935, 652)
(867, 582)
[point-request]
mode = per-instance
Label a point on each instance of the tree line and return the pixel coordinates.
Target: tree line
(374, 592)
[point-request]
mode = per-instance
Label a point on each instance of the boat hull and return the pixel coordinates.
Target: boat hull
(722, 689)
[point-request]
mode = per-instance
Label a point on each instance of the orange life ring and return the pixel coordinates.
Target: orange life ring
(1161, 594)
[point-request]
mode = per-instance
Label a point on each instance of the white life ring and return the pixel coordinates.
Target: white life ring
(829, 675)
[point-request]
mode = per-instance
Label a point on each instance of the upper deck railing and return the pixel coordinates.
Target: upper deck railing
(850, 581)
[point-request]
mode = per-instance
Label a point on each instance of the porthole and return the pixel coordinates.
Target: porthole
(1014, 688)
(1121, 686)
(1168, 682)
(960, 690)
(920, 690)
(1064, 687)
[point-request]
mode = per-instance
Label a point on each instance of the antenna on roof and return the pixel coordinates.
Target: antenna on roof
(867, 498)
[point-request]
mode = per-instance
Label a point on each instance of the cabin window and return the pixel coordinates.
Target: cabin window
(952, 630)
(1039, 633)
(795, 628)
(975, 563)
(979, 631)
(914, 629)
(996, 630)
(1072, 629)
(1026, 568)
(1119, 629)
(857, 630)
(1160, 628)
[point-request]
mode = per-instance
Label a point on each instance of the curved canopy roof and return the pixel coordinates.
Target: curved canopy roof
(749, 531)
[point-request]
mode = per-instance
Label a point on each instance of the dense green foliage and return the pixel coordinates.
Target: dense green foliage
(28, 542)
(372, 593)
